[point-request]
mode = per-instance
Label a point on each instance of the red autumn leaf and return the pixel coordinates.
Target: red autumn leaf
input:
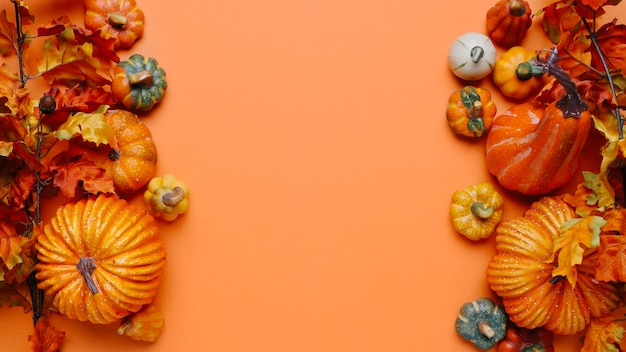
(72, 174)
(557, 20)
(54, 27)
(81, 98)
(7, 35)
(612, 258)
(45, 337)
(612, 40)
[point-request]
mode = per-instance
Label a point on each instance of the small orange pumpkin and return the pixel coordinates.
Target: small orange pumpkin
(133, 163)
(121, 20)
(470, 111)
(508, 22)
(521, 273)
(100, 259)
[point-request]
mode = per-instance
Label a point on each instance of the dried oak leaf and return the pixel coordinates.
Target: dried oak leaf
(576, 236)
(45, 337)
(602, 334)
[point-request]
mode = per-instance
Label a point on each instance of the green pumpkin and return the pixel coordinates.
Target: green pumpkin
(138, 83)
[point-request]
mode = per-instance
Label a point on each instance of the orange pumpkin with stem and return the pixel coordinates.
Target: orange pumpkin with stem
(100, 259)
(133, 163)
(521, 272)
(535, 148)
(121, 20)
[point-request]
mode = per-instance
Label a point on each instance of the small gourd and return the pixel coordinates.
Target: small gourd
(470, 111)
(120, 20)
(476, 210)
(139, 83)
(144, 325)
(508, 22)
(515, 74)
(166, 197)
(472, 56)
(482, 322)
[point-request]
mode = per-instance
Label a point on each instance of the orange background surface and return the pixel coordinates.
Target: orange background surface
(312, 135)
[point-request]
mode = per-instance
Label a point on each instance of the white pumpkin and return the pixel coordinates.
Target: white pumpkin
(472, 56)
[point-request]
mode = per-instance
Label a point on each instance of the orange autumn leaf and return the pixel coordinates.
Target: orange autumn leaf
(602, 334)
(10, 248)
(81, 98)
(45, 337)
(80, 173)
(612, 258)
(577, 235)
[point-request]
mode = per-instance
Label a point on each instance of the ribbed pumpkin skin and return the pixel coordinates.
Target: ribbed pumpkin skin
(136, 163)
(520, 273)
(535, 150)
(123, 241)
(508, 22)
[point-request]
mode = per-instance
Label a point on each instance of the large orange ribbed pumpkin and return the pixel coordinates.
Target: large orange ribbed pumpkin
(100, 259)
(521, 273)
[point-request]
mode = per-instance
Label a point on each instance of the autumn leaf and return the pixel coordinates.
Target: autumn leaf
(45, 337)
(576, 236)
(612, 41)
(72, 174)
(14, 295)
(612, 258)
(602, 334)
(91, 127)
(81, 98)
(10, 247)
(7, 35)
(53, 27)
(67, 62)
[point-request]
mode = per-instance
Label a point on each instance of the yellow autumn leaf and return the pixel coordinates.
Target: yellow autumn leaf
(602, 334)
(576, 236)
(92, 127)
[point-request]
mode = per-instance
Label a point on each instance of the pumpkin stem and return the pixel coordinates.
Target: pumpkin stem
(527, 70)
(475, 111)
(485, 329)
(517, 8)
(171, 199)
(86, 266)
(480, 210)
(477, 53)
(117, 21)
(143, 79)
(114, 155)
(571, 103)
